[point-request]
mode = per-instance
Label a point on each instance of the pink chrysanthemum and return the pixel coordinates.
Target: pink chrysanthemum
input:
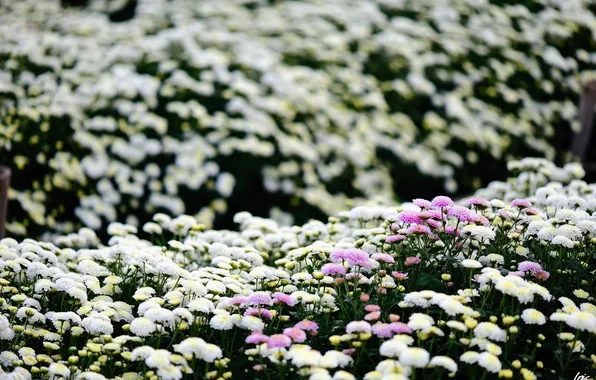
(263, 313)
(353, 275)
(461, 213)
(372, 316)
(331, 269)
(395, 238)
(529, 266)
(297, 335)
(431, 214)
(399, 276)
(442, 201)
(434, 223)
(410, 217)
(352, 255)
(505, 214)
(238, 300)
(531, 211)
(256, 338)
(477, 201)
(371, 308)
(477, 218)
(400, 328)
(285, 298)
(278, 341)
(541, 275)
(412, 260)
(418, 229)
(383, 257)
(307, 325)
(521, 203)
(382, 330)
(451, 230)
(422, 203)
(259, 298)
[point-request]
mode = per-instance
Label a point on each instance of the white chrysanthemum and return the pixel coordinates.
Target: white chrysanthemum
(158, 359)
(491, 331)
(142, 326)
(452, 307)
(303, 357)
(216, 287)
(141, 353)
(98, 324)
(469, 357)
(392, 348)
(547, 233)
(152, 228)
(58, 369)
(224, 321)
(581, 320)
(92, 268)
(533, 317)
(507, 286)
(481, 233)
(160, 315)
(471, 264)
(169, 373)
(201, 305)
(489, 361)
(43, 285)
(587, 227)
(414, 357)
(415, 298)
(190, 346)
(251, 323)
(563, 241)
(419, 321)
(182, 314)
(569, 231)
(493, 258)
(457, 325)
(209, 352)
(525, 295)
(334, 359)
(343, 375)
(445, 362)
(358, 327)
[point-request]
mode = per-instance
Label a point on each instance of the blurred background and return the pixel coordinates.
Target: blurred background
(116, 110)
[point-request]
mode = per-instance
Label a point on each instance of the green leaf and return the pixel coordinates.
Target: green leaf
(426, 281)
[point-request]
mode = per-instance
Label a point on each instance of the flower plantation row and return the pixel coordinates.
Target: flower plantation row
(433, 289)
(315, 103)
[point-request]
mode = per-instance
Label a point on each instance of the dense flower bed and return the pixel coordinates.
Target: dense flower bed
(203, 107)
(477, 290)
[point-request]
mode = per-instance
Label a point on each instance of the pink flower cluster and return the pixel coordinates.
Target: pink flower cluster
(433, 215)
(533, 268)
(353, 256)
(290, 335)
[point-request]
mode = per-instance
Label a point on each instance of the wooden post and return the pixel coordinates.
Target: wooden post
(4, 185)
(580, 146)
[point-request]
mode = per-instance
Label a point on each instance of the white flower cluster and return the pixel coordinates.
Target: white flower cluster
(376, 293)
(200, 108)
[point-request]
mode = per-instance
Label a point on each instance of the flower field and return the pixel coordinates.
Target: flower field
(195, 107)
(433, 289)
(251, 189)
